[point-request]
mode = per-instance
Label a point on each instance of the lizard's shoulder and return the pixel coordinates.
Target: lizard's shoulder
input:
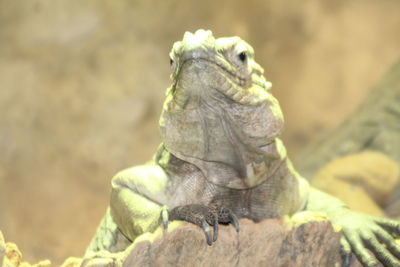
(142, 171)
(149, 176)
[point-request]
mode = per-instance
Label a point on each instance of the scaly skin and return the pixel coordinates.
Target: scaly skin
(221, 159)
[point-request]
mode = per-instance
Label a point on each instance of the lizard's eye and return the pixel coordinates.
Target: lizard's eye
(242, 56)
(171, 62)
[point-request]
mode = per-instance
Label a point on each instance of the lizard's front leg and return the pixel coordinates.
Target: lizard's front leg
(203, 216)
(137, 199)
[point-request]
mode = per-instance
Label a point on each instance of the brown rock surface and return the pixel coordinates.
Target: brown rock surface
(11, 256)
(307, 239)
(267, 243)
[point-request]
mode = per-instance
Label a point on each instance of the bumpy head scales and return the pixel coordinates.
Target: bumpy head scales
(232, 69)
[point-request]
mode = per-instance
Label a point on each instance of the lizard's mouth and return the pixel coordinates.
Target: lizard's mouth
(250, 89)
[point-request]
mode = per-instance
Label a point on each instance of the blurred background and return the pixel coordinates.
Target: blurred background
(82, 84)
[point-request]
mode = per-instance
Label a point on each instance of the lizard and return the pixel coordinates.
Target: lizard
(221, 159)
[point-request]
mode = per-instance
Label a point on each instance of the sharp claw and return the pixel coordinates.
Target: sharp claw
(346, 259)
(235, 222)
(215, 236)
(207, 231)
(164, 216)
(345, 252)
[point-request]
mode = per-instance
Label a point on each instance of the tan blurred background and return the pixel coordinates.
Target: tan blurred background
(82, 83)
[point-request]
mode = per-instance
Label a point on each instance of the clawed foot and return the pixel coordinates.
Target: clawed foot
(203, 216)
(377, 234)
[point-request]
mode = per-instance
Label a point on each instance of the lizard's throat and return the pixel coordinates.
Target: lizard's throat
(217, 144)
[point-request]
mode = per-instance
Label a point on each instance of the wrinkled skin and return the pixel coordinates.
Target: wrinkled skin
(221, 158)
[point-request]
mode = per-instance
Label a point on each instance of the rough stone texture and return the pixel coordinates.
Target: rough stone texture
(11, 256)
(267, 243)
(256, 245)
(307, 239)
(2, 249)
(82, 83)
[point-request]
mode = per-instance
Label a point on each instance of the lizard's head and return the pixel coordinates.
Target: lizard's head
(218, 99)
(225, 65)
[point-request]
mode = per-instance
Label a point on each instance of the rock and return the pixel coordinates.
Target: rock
(257, 244)
(2, 249)
(307, 239)
(11, 256)
(72, 262)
